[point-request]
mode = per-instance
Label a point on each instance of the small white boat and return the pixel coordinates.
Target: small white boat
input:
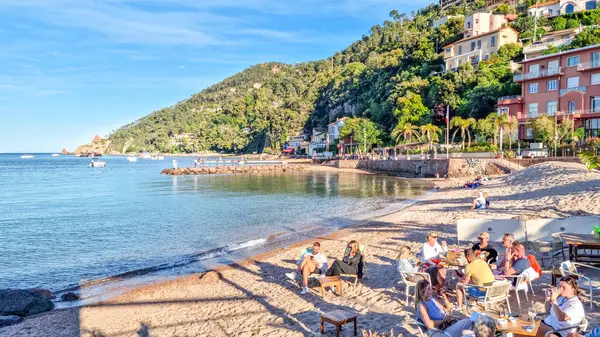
(131, 158)
(158, 158)
(55, 155)
(27, 156)
(97, 163)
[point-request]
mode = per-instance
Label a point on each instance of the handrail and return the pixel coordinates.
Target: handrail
(543, 73)
(502, 98)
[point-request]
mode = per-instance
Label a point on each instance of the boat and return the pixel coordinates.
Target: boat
(97, 163)
(27, 156)
(156, 157)
(55, 155)
(131, 158)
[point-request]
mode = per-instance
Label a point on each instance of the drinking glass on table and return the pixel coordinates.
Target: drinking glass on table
(531, 313)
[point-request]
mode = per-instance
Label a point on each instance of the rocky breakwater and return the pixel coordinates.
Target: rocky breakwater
(18, 303)
(233, 169)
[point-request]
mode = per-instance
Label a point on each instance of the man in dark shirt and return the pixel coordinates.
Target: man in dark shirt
(484, 246)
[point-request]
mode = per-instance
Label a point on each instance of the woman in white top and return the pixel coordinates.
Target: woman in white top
(565, 308)
(433, 250)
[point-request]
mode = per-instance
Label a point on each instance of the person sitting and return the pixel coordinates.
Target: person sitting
(593, 333)
(484, 246)
(565, 308)
(477, 272)
(433, 315)
(507, 243)
(484, 326)
(431, 254)
(521, 263)
(407, 265)
(481, 201)
(310, 263)
(349, 264)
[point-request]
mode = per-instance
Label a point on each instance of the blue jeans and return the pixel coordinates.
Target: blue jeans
(475, 292)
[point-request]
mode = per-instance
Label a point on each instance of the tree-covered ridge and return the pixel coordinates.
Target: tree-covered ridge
(392, 76)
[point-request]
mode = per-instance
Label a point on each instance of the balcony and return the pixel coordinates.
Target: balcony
(585, 66)
(509, 99)
(540, 47)
(540, 74)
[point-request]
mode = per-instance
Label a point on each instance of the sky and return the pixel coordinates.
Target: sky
(73, 69)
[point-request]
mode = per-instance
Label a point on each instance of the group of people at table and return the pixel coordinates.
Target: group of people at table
(483, 269)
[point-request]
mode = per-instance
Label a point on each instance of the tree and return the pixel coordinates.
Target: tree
(505, 9)
(510, 51)
(410, 109)
(559, 23)
(543, 130)
(462, 125)
(431, 133)
(406, 130)
(512, 126)
(362, 131)
(572, 23)
(587, 37)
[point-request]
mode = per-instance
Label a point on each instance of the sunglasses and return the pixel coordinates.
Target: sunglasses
(480, 238)
(435, 237)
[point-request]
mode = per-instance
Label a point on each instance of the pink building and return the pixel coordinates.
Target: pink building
(565, 83)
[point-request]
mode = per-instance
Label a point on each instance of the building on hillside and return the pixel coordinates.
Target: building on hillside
(299, 143)
(476, 48)
(553, 39)
(558, 85)
(450, 3)
(482, 23)
(318, 140)
(333, 129)
(559, 7)
(443, 20)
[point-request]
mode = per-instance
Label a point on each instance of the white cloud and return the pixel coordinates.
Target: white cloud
(180, 67)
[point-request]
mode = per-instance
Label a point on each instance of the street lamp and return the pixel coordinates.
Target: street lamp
(365, 140)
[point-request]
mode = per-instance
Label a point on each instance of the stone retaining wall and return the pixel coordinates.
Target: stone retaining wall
(526, 162)
(232, 169)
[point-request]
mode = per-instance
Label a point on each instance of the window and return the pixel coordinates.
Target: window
(459, 50)
(573, 82)
(571, 106)
(590, 5)
(478, 44)
(552, 85)
(553, 67)
(476, 20)
(592, 127)
(551, 108)
(486, 57)
(532, 110)
(595, 60)
(468, 24)
(448, 50)
(532, 88)
(572, 61)
(595, 78)
(472, 45)
(550, 12)
(529, 133)
(493, 41)
(534, 68)
(595, 103)
(569, 9)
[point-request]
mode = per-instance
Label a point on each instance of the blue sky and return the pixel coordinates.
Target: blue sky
(71, 69)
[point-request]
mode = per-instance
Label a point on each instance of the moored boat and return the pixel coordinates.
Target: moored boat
(97, 163)
(55, 155)
(131, 158)
(27, 156)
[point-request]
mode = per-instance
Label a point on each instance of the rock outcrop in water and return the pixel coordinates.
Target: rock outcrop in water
(232, 169)
(23, 303)
(97, 146)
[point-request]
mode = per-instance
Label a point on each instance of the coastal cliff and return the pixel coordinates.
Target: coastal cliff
(97, 146)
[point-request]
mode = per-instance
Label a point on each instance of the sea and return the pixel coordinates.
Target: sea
(65, 226)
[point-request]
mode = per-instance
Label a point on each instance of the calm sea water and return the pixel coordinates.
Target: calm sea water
(63, 223)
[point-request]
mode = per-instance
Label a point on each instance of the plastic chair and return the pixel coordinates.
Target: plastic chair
(497, 292)
(308, 250)
(522, 282)
(424, 331)
(409, 284)
(581, 327)
(569, 268)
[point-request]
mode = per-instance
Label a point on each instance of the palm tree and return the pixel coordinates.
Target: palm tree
(501, 124)
(432, 133)
(406, 130)
(512, 126)
(463, 125)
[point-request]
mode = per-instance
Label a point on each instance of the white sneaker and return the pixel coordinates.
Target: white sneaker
(304, 291)
(291, 276)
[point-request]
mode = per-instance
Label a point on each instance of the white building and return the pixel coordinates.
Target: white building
(318, 140)
(482, 23)
(333, 129)
(553, 39)
(559, 7)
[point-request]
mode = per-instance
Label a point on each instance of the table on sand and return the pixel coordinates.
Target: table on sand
(516, 327)
(329, 281)
(454, 259)
(338, 318)
(580, 241)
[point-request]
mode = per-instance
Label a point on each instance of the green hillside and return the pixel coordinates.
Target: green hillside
(393, 75)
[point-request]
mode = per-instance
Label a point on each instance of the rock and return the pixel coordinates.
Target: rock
(70, 296)
(21, 302)
(96, 139)
(210, 277)
(64, 151)
(212, 170)
(44, 292)
(9, 320)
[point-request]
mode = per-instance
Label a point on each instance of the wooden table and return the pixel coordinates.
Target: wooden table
(329, 281)
(516, 327)
(580, 241)
(454, 259)
(338, 318)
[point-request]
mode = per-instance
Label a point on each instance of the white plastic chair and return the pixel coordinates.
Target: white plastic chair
(579, 328)
(569, 268)
(424, 331)
(522, 282)
(497, 292)
(404, 278)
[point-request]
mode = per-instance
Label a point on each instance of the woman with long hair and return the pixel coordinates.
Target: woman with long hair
(435, 315)
(349, 264)
(564, 306)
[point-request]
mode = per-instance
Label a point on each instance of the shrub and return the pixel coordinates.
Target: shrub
(559, 23)
(572, 23)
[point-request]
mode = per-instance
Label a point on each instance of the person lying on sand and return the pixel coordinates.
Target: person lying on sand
(481, 201)
(313, 262)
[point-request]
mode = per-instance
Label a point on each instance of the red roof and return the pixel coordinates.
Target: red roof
(544, 4)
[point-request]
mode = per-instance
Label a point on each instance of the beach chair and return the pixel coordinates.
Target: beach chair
(362, 267)
(550, 249)
(522, 282)
(308, 250)
(409, 284)
(580, 328)
(569, 268)
(497, 292)
(424, 331)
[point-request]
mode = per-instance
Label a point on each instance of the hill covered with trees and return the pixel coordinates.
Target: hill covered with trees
(392, 76)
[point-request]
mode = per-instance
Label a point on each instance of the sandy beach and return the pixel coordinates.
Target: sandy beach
(254, 298)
